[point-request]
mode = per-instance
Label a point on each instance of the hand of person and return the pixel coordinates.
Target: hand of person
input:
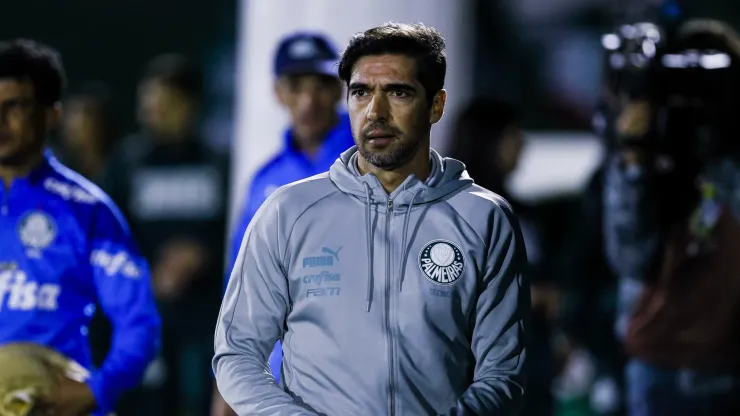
(633, 124)
(178, 264)
(634, 120)
(68, 398)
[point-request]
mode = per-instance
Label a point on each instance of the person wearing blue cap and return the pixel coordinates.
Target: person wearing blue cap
(307, 85)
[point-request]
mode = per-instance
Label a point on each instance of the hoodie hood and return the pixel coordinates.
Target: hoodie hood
(447, 176)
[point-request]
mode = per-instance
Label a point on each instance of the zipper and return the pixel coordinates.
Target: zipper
(388, 294)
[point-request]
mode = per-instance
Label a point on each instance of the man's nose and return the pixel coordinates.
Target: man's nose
(306, 100)
(378, 108)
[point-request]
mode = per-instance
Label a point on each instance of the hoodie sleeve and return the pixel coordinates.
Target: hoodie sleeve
(247, 212)
(252, 319)
(631, 226)
(501, 326)
(255, 199)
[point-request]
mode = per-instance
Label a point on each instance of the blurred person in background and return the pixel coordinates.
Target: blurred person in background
(594, 300)
(173, 188)
(597, 303)
(65, 247)
(85, 142)
(488, 139)
(308, 87)
(87, 134)
(672, 222)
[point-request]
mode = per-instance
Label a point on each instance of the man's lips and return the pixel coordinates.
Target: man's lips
(383, 140)
(379, 135)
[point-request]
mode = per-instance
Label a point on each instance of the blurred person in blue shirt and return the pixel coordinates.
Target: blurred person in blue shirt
(308, 87)
(65, 246)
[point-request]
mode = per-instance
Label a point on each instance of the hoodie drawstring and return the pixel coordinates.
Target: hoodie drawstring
(369, 243)
(404, 241)
(369, 237)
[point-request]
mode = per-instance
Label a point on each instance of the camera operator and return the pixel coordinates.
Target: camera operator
(591, 287)
(672, 222)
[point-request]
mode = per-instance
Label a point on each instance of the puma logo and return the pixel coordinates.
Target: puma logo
(323, 261)
(333, 253)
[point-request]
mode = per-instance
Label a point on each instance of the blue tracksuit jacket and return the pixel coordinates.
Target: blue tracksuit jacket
(65, 247)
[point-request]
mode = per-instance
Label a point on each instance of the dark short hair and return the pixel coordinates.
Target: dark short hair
(94, 92)
(484, 118)
(423, 43)
(96, 95)
(23, 59)
(176, 71)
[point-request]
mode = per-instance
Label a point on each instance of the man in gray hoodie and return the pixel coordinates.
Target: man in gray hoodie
(395, 283)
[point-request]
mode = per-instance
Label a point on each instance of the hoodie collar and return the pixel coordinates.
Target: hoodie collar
(446, 176)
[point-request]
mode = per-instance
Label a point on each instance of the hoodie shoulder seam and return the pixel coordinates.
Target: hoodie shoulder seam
(477, 234)
(292, 227)
(497, 206)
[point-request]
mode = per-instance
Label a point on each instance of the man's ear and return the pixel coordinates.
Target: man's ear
(438, 106)
(279, 90)
(53, 116)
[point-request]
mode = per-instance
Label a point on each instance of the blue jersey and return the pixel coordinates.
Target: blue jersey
(288, 166)
(65, 247)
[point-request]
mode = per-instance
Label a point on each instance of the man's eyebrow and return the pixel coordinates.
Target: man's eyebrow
(358, 86)
(394, 86)
(399, 86)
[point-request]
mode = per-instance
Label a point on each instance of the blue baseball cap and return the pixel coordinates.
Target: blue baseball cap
(306, 53)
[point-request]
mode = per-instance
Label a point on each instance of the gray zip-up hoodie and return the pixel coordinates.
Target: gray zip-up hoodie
(412, 303)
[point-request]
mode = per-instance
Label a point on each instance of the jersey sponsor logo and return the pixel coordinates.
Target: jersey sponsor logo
(69, 192)
(323, 261)
(113, 264)
(321, 278)
(37, 230)
(17, 293)
(441, 262)
(323, 291)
